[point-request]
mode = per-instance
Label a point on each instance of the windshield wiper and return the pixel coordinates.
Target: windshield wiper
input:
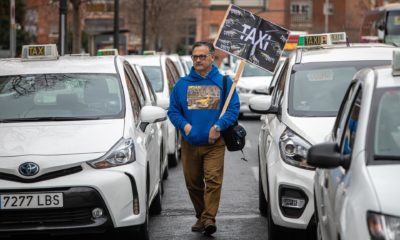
(43, 119)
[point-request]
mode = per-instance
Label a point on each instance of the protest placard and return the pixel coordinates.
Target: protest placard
(251, 38)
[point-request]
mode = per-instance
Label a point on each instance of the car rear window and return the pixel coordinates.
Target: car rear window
(155, 76)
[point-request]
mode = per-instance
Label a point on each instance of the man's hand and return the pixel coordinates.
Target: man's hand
(187, 128)
(213, 135)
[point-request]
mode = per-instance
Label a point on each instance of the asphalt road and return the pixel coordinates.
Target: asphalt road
(238, 216)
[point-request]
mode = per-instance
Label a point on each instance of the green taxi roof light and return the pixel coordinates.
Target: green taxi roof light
(301, 41)
(107, 52)
(39, 52)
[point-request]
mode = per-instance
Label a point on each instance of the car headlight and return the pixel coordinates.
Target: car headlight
(294, 149)
(242, 90)
(120, 154)
(383, 227)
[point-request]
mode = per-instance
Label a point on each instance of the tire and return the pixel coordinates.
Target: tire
(156, 205)
(166, 173)
(173, 159)
(262, 202)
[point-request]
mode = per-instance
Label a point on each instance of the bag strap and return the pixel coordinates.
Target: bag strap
(224, 86)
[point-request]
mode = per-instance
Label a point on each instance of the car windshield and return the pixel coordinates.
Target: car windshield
(155, 76)
(387, 126)
(317, 89)
(252, 71)
(60, 97)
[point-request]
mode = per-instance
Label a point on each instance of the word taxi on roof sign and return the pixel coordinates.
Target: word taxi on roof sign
(251, 38)
(324, 39)
(39, 52)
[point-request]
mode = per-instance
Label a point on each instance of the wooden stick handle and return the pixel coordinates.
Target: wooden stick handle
(235, 81)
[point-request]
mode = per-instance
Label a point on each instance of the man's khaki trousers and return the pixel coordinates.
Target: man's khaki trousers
(203, 168)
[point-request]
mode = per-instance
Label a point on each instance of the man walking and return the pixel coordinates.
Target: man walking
(195, 105)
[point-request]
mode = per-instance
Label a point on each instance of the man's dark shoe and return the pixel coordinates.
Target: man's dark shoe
(210, 229)
(198, 226)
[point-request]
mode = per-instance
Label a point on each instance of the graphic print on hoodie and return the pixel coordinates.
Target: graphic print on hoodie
(203, 97)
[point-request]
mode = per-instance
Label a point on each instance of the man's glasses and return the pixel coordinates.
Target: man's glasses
(201, 57)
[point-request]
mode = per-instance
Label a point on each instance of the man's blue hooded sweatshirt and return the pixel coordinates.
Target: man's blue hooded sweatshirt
(199, 101)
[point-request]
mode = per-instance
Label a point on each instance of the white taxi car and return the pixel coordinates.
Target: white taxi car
(77, 149)
(163, 75)
(356, 191)
(299, 113)
(254, 81)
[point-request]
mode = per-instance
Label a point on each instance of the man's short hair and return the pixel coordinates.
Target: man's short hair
(203, 43)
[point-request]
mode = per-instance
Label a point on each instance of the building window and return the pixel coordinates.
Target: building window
(300, 11)
(188, 33)
(213, 31)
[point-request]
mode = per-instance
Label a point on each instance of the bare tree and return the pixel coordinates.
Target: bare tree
(164, 20)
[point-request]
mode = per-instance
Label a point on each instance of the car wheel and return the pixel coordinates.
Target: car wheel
(156, 205)
(166, 173)
(262, 203)
(274, 231)
(173, 159)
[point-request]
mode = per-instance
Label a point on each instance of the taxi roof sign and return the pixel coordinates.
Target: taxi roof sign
(396, 63)
(39, 52)
(107, 52)
(320, 40)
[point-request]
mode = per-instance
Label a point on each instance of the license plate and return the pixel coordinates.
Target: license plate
(39, 200)
(292, 202)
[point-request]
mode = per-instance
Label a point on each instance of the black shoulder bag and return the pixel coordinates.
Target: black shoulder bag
(235, 134)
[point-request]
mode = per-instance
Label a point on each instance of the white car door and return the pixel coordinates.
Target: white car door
(332, 182)
(152, 148)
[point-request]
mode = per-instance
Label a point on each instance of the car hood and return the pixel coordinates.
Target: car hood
(385, 180)
(312, 129)
(254, 82)
(59, 138)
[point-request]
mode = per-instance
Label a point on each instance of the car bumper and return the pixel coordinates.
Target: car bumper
(112, 190)
(289, 181)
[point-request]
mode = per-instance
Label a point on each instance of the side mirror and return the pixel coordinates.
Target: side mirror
(381, 27)
(151, 114)
(262, 105)
(163, 103)
(327, 155)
